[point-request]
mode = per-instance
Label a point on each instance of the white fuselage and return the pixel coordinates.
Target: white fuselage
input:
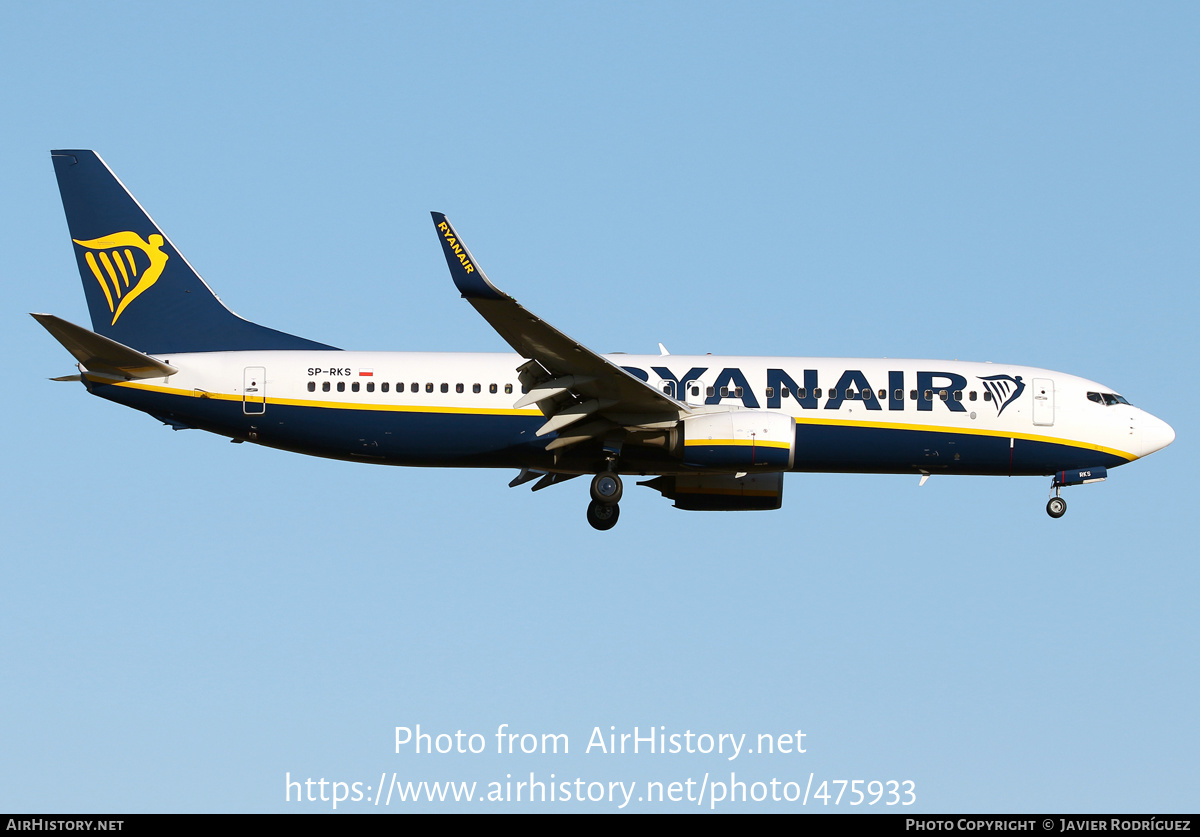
(959, 402)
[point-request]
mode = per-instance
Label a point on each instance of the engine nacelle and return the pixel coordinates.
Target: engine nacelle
(720, 492)
(740, 440)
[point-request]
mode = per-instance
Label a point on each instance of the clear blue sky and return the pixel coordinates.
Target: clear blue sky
(186, 621)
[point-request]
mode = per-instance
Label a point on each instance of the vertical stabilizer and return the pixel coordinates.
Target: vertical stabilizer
(141, 291)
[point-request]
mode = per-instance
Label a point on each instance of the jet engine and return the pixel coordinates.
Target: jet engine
(739, 440)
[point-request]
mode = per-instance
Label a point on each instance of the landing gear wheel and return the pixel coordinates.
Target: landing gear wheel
(603, 516)
(1057, 507)
(607, 488)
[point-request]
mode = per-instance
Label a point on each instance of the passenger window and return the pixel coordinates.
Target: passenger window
(817, 393)
(325, 386)
(832, 394)
(508, 389)
(912, 395)
(695, 392)
(883, 395)
(802, 393)
(738, 392)
(492, 389)
(709, 392)
(341, 386)
(371, 386)
(724, 392)
(476, 388)
(928, 395)
(945, 396)
(383, 387)
(958, 395)
(458, 387)
(898, 395)
(445, 387)
(974, 395)
(770, 392)
(987, 396)
(354, 386)
(783, 391)
(312, 386)
(429, 387)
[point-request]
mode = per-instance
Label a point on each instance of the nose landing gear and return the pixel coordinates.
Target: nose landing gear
(603, 511)
(1057, 507)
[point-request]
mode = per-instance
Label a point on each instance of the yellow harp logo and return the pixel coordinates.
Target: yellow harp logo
(124, 265)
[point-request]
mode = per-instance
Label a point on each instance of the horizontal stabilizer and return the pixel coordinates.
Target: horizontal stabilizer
(100, 354)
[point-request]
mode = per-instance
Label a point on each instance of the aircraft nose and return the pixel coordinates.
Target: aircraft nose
(1156, 435)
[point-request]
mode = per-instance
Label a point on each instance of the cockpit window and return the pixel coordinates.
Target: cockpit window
(1108, 399)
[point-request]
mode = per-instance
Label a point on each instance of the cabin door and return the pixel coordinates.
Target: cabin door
(1043, 402)
(254, 391)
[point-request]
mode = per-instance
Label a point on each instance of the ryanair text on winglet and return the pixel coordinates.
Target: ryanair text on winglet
(454, 245)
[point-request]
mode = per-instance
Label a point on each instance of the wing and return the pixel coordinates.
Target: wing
(572, 385)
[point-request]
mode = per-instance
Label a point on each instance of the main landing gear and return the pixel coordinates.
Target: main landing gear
(603, 511)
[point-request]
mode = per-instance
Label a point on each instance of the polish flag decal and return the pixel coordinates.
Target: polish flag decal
(366, 373)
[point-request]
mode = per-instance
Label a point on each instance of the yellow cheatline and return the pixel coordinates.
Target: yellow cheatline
(745, 443)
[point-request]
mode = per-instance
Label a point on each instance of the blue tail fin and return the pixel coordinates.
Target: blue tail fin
(140, 290)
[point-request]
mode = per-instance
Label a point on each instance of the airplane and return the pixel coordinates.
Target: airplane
(711, 433)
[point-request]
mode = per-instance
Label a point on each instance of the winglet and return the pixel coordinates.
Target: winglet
(470, 280)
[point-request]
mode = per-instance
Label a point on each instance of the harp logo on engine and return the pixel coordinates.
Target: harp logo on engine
(125, 265)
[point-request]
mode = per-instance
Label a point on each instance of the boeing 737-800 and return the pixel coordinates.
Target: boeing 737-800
(712, 433)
